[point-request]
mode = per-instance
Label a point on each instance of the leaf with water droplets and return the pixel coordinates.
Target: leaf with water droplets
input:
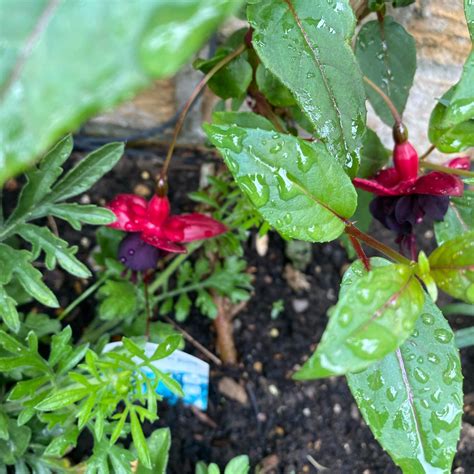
(459, 218)
(306, 45)
(54, 76)
(452, 267)
(387, 56)
(374, 315)
(296, 186)
(412, 399)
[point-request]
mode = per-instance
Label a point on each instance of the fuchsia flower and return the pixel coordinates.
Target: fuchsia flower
(152, 225)
(403, 198)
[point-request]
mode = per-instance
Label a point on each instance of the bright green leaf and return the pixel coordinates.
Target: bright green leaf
(412, 399)
(139, 441)
(159, 443)
(68, 75)
(452, 267)
(238, 465)
(77, 214)
(242, 119)
(118, 300)
(8, 311)
(373, 316)
(387, 56)
(296, 186)
(62, 398)
(306, 45)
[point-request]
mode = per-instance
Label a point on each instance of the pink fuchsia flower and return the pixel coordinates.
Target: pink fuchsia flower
(156, 227)
(403, 179)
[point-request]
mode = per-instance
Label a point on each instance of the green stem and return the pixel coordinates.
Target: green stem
(179, 291)
(91, 335)
(351, 229)
(172, 267)
(83, 296)
(447, 170)
(462, 309)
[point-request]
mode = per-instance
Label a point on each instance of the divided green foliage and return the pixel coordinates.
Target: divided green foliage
(306, 45)
(412, 399)
(387, 56)
(297, 186)
(375, 314)
(452, 267)
(458, 220)
(138, 41)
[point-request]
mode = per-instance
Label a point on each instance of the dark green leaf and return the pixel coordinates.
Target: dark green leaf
(8, 311)
(18, 262)
(77, 214)
(458, 220)
(412, 399)
(387, 56)
(464, 337)
(373, 316)
(4, 435)
(452, 267)
(159, 443)
(402, 3)
(139, 441)
(306, 45)
(275, 92)
(41, 324)
(41, 178)
(296, 186)
(55, 249)
(182, 307)
(373, 155)
(87, 172)
(88, 69)
(242, 119)
(14, 449)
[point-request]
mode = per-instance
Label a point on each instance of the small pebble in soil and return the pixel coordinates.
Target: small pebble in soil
(261, 417)
(85, 242)
(258, 367)
(318, 269)
(145, 175)
(85, 199)
(355, 415)
(337, 409)
(274, 332)
(300, 305)
(279, 431)
(306, 412)
(347, 448)
(428, 235)
(237, 323)
(233, 390)
(331, 294)
(273, 390)
(141, 190)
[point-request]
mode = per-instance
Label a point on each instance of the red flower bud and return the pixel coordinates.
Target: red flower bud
(405, 159)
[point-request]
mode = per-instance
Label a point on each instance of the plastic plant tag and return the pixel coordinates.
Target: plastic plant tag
(190, 372)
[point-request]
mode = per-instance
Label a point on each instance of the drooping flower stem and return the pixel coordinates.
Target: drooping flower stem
(202, 83)
(352, 230)
(386, 99)
(445, 169)
(427, 152)
(360, 252)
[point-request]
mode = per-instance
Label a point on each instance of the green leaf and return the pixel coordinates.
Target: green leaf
(167, 347)
(373, 155)
(374, 315)
(139, 441)
(306, 45)
(159, 444)
(297, 186)
(8, 311)
(40, 179)
(4, 435)
(59, 346)
(387, 56)
(238, 465)
(452, 267)
(55, 249)
(118, 300)
(18, 442)
(402, 3)
(182, 307)
(87, 172)
(121, 459)
(448, 136)
(230, 81)
(412, 399)
(17, 262)
(114, 57)
(464, 337)
(458, 220)
(62, 398)
(242, 119)
(27, 387)
(61, 444)
(77, 214)
(275, 92)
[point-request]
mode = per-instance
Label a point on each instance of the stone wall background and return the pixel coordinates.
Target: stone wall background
(443, 44)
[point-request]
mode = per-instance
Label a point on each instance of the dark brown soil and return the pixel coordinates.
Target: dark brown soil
(284, 421)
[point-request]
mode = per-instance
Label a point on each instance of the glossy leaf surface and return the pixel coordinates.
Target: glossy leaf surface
(59, 68)
(387, 56)
(412, 399)
(373, 156)
(296, 186)
(452, 267)
(375, 314)
(159, 443)
(306, 45)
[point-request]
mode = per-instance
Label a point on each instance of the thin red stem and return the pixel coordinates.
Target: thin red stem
(192, 98)
(360, 252)
(386, 99)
